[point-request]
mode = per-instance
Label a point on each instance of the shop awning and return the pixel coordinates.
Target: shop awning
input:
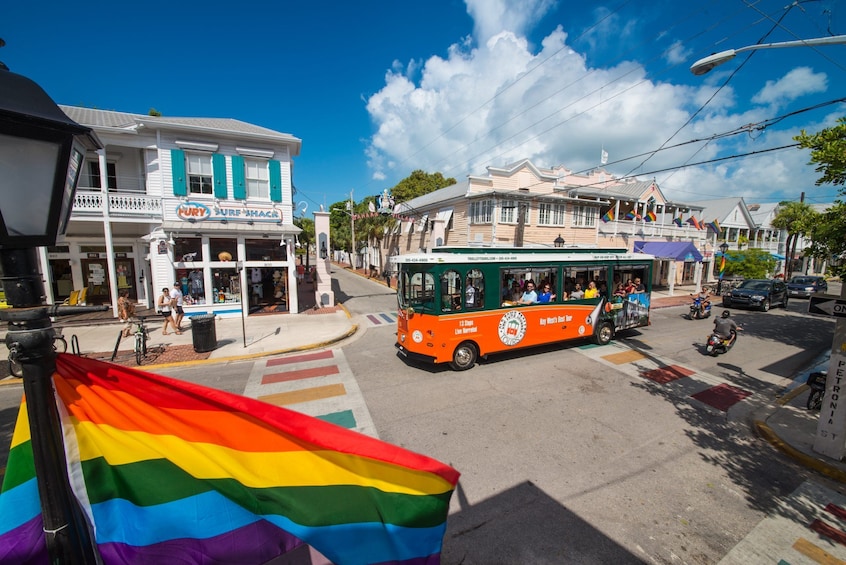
(207, 226)
(674, 250)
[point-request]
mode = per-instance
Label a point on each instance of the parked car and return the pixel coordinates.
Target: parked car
(757, 293)
(806, 286)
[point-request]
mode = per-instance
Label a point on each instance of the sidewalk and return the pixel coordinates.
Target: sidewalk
(257, 335)
(784, 422)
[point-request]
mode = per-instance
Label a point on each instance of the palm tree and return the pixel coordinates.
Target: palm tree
(797, 218)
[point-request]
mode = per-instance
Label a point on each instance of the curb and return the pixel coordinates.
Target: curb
(765, 432)
(211, 361)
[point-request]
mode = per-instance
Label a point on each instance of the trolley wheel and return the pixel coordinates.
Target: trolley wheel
(464, 356)
(603, 334)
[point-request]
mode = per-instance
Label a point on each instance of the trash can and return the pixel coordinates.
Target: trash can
(203, 333)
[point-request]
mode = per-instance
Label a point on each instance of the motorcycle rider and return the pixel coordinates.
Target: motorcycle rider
(704, 301)
(726, 328)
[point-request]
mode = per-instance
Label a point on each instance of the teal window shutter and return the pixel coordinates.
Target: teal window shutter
(239, 183)
(219, 172)
(177, 169)
(275, 180)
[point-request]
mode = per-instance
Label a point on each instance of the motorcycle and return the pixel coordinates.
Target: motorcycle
(816, 382)
(696, 311)
(717, 344)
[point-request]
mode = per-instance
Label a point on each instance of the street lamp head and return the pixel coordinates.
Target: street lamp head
(705, 64)
(41, 155)
(559, 241)
(323, 252)
(724, 247)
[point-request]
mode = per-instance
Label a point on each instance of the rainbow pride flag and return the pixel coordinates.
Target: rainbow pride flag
(715, 226)
(650, 216)
(169, 471)
(608, 216)
(678, 221)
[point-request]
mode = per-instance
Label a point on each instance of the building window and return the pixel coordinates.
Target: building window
(550, 214)
(187, 249)
(481, 212)
(94, 175)
(199, 173)
(506, 212)
(584, 216)
(258, 184)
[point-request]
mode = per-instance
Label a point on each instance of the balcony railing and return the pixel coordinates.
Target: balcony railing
(125, 204)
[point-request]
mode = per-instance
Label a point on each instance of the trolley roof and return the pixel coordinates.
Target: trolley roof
(440, 255)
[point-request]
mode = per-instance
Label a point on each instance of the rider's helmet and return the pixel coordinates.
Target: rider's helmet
(726, 314)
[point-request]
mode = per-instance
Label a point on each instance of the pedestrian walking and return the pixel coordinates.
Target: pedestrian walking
(163, 308)
(178, 313)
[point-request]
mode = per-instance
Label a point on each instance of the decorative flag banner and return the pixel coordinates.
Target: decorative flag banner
(632, 215)
(678, 221)
(169, 471)
(608, 216)
(722, 266)
(695, 223)
(650, 216)
(603, 157)
(715, 226)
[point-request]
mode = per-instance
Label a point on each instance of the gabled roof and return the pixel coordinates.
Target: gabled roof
(720, 209)
(509, 170)
(209, 126)
(427, 201)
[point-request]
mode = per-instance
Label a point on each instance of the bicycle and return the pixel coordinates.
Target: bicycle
(142, 334)
(60, 345)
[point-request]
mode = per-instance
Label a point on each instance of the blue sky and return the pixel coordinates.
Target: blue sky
(376, 89)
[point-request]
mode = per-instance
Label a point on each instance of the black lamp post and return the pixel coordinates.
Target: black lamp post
(323, 252)
(559, 241)
(41, 154)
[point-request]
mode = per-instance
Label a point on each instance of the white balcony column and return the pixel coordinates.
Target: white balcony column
(107, 231)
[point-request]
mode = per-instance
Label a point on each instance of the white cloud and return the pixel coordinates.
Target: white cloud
(677, 54)
(796, 83)
(492, 101)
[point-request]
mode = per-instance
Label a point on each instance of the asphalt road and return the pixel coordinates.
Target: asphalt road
(566, 459)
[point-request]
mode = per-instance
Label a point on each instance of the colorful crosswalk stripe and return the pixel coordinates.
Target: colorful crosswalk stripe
(317, 383)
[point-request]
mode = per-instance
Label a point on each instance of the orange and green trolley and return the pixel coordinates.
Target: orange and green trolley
(457, 304)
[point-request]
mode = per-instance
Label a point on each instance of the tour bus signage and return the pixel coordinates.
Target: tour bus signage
(197, 212)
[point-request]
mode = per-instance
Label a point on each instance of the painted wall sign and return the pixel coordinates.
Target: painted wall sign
(197, 211)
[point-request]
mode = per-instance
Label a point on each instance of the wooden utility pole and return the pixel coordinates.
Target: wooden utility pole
(521, 224)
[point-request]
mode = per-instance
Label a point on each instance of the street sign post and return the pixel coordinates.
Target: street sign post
(828, 305)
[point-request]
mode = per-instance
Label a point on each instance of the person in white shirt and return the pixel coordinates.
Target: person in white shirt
(176, 306)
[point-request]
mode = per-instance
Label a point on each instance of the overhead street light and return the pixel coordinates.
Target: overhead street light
(705, 64)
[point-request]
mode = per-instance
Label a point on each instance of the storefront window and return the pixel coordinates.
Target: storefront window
(227, 287)
(191, 281)
(187, 249)
(223, 249)
(265, 250)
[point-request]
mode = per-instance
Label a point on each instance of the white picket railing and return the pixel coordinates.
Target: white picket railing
(125, 204)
